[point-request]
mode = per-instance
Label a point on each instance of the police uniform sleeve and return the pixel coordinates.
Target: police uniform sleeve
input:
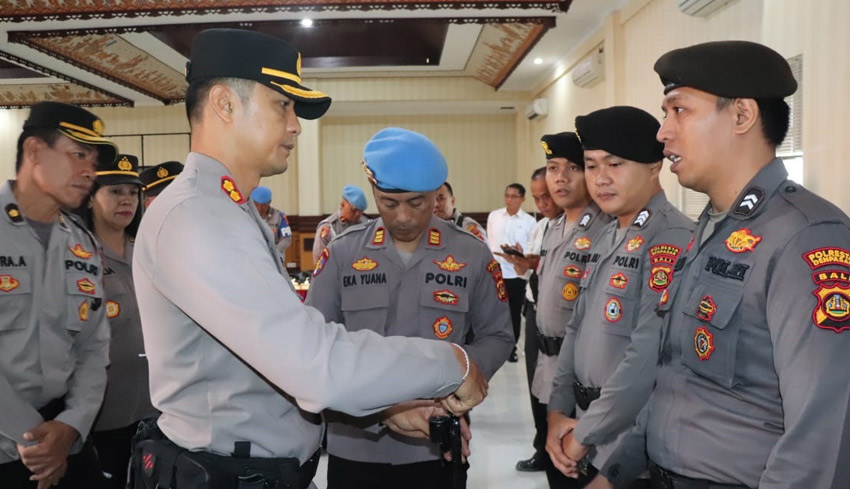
(324, 293)
(490, 317)
(807, 306)
(629, 460)
(562, 398)
(260, 319)
(88, 381)
(627, 389)
(319, 243)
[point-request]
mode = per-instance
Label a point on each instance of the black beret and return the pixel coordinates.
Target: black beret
(236, 53)
(159, 176)
(627, 132)
(563, 145)
(125, 169)
(732, 69)
(75, 122)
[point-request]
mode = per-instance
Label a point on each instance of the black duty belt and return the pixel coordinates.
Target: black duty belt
(585, 395)
(662, 478)
(549, 345)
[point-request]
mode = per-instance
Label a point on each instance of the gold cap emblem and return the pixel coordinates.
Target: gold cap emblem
(124, 164)
(98, 126)
(162, 173)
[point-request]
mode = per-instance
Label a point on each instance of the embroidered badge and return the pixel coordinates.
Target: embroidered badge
(442, 327)
(726, 269)
(619, 281)
(162, 172)
(750, 202)
(83, 311)
(822, 257)
(572, 271)
(741, 241)
(641, 218)
(434, 237)
(379, 237)
(833, 295)
(14, 213)
(613, 310)
(703, 343)
(229, 188)
(472, 228)
(86, 286)
(446, 297)
(585, 220)
(124, 164)
(450, 264)
(321, 262)
(80, 252)
(570, 291)
(324, 233)
(496, 272)
(113, 309)
(664, 297)
(634, 243)
(545, 147)
(662, 257)
(364, 264)
(582, 243)
(659, 277)
(706, 308)
(8, 283)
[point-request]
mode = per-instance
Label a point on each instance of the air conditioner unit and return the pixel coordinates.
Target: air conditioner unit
(701, 8)
(538, 108)
(590, 71)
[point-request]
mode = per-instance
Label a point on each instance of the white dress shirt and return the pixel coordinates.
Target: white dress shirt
(503, 228)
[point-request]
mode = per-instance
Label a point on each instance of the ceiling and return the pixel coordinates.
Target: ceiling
(129, 53)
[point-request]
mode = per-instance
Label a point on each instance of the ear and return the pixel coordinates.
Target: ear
(655, 168)
(220, 101)
(33, 147)
(746, 113)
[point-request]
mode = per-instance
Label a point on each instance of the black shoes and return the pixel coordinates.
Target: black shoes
(534, 464)
(513, 358)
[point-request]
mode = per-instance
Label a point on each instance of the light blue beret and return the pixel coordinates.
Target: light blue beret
(355, 197)
(262, 195)
(398, 160)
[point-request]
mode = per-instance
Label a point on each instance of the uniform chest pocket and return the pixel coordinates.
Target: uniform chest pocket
(15, 299)
(618, 314)
(710, 332)
(365, 307)
(84, 296)
(442, 313)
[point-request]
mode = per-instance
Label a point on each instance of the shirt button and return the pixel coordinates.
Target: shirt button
(790, 189)
(614, 471)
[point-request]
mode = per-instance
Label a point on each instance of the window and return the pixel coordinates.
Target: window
(791, 149)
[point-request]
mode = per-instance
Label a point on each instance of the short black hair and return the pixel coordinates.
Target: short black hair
(449, 187)
(775, 117)
(46, 134)
(539, 173)
(519, 188)
(199, 89)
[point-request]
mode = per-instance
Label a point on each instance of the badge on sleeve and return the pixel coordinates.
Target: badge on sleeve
(496, 272)
(86, 286)
(662, 257)
(80, 252)
(228, 186)
(434, 237)
(380, 235)
(570, 292)
(83, 311)
(822, 257)
(321, 262)
(8, 283)
(833, 300)
(582, 243)
(446, 297)
(613, 310)
(113, 309)
(703, 343)
(442, 327)
(706, 308)
(364, 264)
(472, 228)
(742, 241)
(450, 264)
(324, 233)
(634, 244)
(619, 281)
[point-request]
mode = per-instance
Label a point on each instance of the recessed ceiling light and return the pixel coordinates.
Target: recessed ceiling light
(538, 61)
(306, 22)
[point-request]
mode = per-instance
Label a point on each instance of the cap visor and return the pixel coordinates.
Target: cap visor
(309, 104)
(107, 152)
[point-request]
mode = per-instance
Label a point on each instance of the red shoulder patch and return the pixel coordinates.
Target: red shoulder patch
(321, 262)
(495, 271)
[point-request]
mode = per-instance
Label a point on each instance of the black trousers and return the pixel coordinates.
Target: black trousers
(83, 472)
(114, 450)
(348, 474)
(557, 480)
(516, 296)
(538, 410)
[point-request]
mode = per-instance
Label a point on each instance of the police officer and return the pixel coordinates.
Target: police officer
(607, 365)
(408, 273)
(156, 178)
(239, 366)
(751, 390)
(112, 214)
(275, 219)
(350, 212)
(564, 257)
(444, 208)
(54, 337)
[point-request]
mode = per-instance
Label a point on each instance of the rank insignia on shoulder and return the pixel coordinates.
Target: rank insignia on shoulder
(14, 213)
(434, 237)
(618, 281)
(570, 292)
(80, 252)
(703, 343)
(706, 308)
(472, 228)
(83, 310)
(321, 262)
(450, 264)
(446, 297)
(634, 244)
(827, 256)
(442, 327)
(582, 243)
(585, 220)
(833, 295)
(86, 286)
(753, 197)
(572, 271)
(228, 186)
(742, 241)
(113, 309)
(324, 233)
(364, 264)
(613, 310)
(8, 283)
(379, 237)
(641, 218)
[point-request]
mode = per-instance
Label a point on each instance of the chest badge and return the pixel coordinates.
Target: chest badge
(228, 186)
(582, 243)
(443, 327)
(80, 252)
(8, 283)
(703, 343)
(613, 310)
(113, 309)
(86, 286)
(570, 292)
(742, 241)
(634, 244)
(446, 297)
(83, 311)
(572, 271)
(364, 264)
(706, 308)
(618, 281)
(450, 264)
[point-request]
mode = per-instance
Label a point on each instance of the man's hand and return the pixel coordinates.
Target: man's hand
(471, 393)
(48, 458)
(599, 482)
(411, 418)
(559, 426)
(574, 450)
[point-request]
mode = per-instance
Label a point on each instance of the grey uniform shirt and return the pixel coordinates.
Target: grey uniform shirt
(564, 258)
(468, 224)
(753, 386)
(54, 338)
(233, 353)
(127, 398)
(328, 229)
(614, 337)
(450, 286)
